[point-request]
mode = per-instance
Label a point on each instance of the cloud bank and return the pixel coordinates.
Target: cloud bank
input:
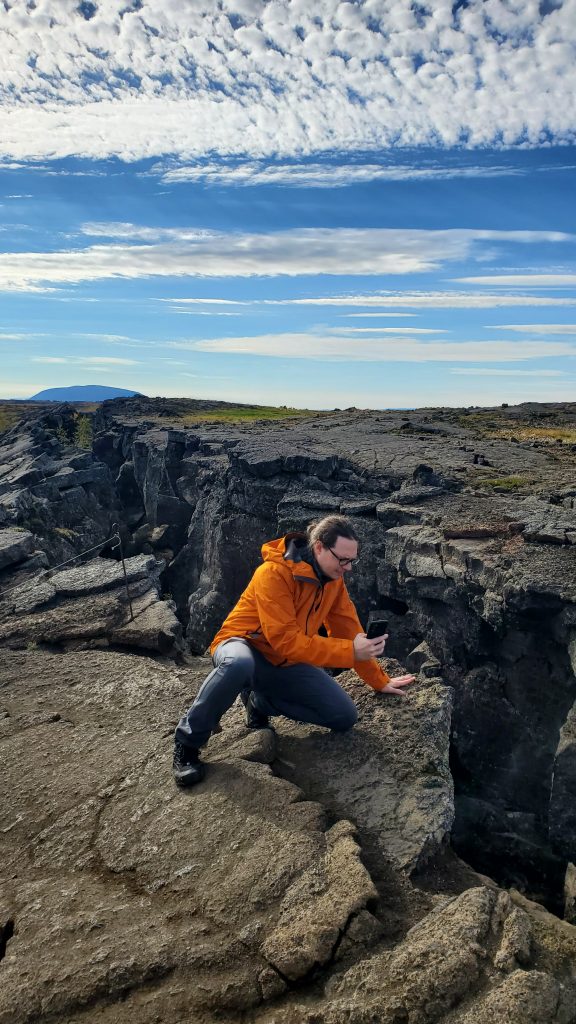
(282, 77)
(303, 251)
(389, 350)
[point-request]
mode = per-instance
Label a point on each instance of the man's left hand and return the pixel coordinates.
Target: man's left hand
(395, 684)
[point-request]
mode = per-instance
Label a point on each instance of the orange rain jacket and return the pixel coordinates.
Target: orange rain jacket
(284, 606)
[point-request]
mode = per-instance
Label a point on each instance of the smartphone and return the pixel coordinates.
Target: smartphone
(376, 627)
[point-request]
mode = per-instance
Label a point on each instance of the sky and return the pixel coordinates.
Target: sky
(320, 205)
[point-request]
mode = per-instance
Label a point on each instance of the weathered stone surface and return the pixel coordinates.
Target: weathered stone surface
(449, 968)
(563, 795)
(397, 785)
(102, 574)
(90, 602)
(117, 882)
(570, 894)
(15, 546)
(62, 495)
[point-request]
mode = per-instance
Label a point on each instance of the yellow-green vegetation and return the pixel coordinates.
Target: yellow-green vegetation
(63, 531)
(505, 483)
(83, 434)
(489, 426)
(9, 415)
(242, 413)
(528, 432)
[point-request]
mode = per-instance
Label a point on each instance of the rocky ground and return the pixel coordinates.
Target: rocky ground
(124, 897)
(311, 877)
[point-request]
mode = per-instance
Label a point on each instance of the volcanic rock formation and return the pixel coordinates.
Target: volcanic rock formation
(310, 871)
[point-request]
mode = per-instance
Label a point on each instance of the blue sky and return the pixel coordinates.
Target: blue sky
(366, 203)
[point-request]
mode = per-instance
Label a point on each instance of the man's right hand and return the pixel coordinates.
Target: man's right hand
(365, 649)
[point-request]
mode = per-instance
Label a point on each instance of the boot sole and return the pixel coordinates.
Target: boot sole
(190, 779)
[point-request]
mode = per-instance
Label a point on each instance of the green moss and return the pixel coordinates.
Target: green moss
(63, 531)
(505, 483)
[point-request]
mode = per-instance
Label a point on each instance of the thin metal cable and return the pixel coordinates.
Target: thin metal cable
(32, 580)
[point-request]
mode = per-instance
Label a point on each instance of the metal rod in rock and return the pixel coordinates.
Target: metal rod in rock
(118, 538)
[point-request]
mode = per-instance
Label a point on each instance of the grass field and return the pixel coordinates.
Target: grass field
(243, 414)
(508, 429)
(9, 415)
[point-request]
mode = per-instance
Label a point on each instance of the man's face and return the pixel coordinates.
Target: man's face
(337, 560)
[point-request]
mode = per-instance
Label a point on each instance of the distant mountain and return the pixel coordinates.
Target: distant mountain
(82, 393)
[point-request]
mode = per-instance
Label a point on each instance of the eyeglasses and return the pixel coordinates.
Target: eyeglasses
(344, 561)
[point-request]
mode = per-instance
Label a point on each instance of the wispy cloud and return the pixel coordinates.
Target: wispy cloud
(381, 314)
(393, 349)
(50, 359)
(203, 312)
(536, 328)
(208, 302)
(397, 331)
(94, 361)
(136, 80)
(18, 337)
(322, 175)
(426, 300)
(303, 251)
(486, 372)
(523, 280)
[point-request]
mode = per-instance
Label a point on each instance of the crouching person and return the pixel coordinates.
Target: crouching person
(269, 649)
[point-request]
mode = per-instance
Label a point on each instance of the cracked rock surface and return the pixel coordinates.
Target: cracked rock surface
(116, 881)
(246, 898)
(390, 774)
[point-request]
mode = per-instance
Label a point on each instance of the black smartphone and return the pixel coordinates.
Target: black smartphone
(376, 627)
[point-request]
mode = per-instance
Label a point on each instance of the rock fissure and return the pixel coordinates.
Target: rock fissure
(6, 933)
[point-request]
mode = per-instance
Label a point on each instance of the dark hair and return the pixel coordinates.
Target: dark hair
(328, 530)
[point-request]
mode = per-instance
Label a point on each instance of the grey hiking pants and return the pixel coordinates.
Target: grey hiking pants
(301, 692)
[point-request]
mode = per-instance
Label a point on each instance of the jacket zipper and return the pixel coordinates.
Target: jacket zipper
(313, 606)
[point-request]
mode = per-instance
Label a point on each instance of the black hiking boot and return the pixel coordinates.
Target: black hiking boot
(187, 766)
(255, 719)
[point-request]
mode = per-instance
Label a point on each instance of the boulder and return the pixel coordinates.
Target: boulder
(15, 545)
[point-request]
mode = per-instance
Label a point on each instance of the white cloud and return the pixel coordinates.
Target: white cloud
(322, 175)
(264, 78)
(107, 361)
(523, 280)
(113, 339)
(302, 251)
(426, 300)
(141, 233)
(208, 302)
(201, 312)
(486, 372)
(381, 314)
(397, 350)
(536, 328)
(95, 361)
(49, 359)
(385, 330)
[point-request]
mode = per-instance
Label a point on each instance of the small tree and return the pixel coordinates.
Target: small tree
(83, 434)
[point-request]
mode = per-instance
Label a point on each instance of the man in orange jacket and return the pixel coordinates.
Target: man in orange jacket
(269, 649)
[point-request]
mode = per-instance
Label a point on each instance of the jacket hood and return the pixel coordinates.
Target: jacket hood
(293, 548)
(289, 548)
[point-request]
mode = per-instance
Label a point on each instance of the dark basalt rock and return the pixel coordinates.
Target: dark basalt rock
(468, 542)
